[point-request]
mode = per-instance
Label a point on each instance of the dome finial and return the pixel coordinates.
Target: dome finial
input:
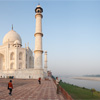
(38, 3)
(12, 26)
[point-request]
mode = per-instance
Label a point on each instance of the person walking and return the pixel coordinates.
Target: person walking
(10, 87)
(39, 80)
(57, 84)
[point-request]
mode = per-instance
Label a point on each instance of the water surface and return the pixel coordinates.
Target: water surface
(82, 83)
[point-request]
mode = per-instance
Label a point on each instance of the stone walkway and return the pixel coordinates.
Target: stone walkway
(29, 90)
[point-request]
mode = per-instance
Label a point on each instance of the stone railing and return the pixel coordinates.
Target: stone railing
(65, 93)
(68, 97)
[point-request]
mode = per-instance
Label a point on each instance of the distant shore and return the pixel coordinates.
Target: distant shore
(88, 78)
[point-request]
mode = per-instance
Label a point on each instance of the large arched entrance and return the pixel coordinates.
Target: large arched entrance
(1, 61)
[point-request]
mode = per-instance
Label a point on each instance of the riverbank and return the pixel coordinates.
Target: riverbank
(82, 83)
(88, 78)
(80, 93)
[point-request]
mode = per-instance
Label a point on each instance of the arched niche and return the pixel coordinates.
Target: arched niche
(1, 61)
(12, 56)
(20, 56)
(20, 65)
(12, 66)
(30, 62)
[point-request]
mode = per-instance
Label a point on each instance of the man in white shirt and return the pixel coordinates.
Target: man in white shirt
(57, 84)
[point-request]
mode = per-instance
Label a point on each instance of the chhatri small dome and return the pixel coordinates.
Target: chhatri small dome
(38, 9)
(38, 5)
(11, 37)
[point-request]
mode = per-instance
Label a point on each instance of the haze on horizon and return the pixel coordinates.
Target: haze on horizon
(71, 32)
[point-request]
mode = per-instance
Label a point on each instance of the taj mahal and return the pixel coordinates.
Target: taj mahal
(19, 62)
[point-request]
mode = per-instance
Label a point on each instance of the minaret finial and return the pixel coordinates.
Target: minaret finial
(12, 26)
(28, 44)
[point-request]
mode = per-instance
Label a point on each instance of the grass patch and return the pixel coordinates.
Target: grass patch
(78, 93)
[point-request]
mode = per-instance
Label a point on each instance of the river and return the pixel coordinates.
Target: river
(82, 83)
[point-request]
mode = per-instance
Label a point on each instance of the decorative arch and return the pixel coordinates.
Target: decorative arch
(12, 66)
(20, 65)
(20, 56)
(12, 56)
(1, 61)
(30, 62)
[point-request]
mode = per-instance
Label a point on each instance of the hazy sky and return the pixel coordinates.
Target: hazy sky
(71, 31)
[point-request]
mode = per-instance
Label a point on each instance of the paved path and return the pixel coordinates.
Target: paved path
(29, 90)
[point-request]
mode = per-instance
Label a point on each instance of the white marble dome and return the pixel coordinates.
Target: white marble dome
(11, 37)
(17, 42)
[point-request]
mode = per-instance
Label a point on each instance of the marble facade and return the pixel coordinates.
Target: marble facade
(19, 62)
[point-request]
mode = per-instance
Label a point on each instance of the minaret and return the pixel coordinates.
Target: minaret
(45, 62)
(38, 38)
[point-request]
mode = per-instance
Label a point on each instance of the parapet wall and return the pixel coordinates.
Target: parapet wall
(68, 97)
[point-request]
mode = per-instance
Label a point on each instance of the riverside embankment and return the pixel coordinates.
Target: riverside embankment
(79, 93)
(87, 82)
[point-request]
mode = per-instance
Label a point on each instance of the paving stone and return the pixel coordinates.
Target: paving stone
(29, 90)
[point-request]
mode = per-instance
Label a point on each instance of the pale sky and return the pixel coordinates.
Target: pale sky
(71, 31)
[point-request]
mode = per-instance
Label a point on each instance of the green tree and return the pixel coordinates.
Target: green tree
(93, 90)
